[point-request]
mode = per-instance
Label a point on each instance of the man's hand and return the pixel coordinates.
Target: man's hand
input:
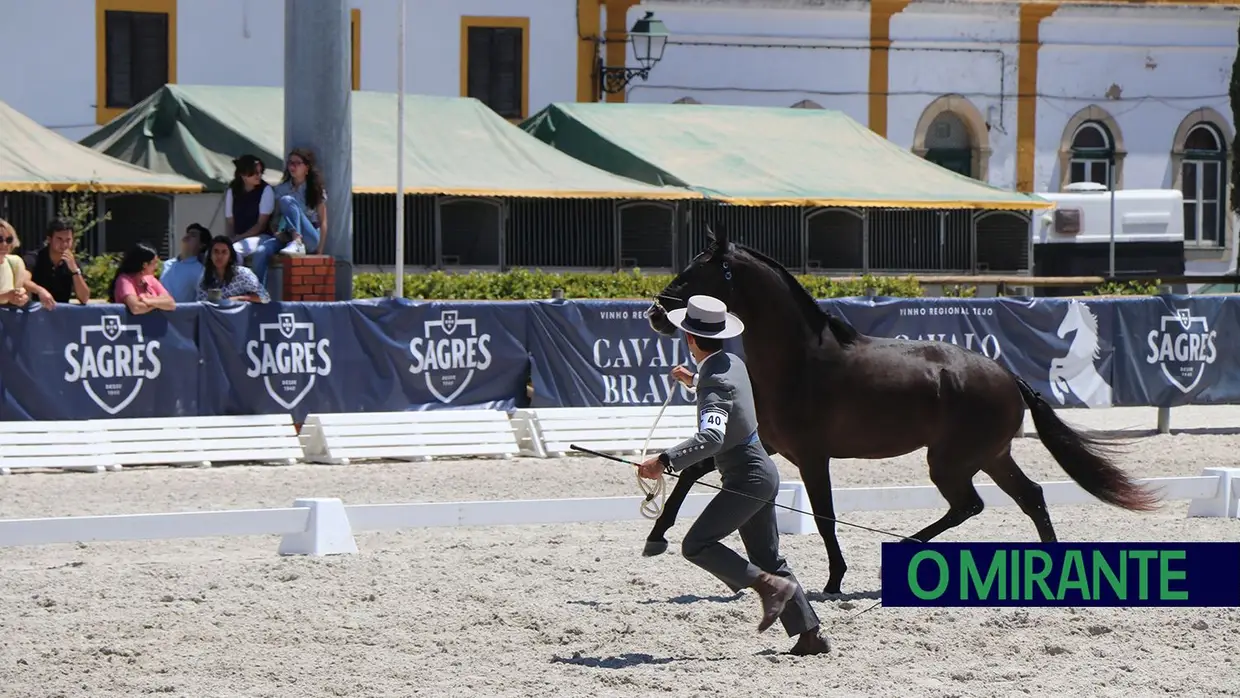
(684, 375)
(651, 469)
(71, 262)
(20, 298)
(46, 299)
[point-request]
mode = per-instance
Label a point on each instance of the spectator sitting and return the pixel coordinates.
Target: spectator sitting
(12, 269)
(248, 205)
(135, 284)
(225, 273)
(303, 203)
(181, 274)
(55, 276)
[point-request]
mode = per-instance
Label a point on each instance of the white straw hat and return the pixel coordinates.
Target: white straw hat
(705, 316)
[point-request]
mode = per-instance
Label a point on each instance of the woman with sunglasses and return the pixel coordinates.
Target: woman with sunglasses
(16, 282)
(12, 269)
(302, 203)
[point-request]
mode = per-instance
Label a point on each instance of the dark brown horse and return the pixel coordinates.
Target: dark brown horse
(824, 390)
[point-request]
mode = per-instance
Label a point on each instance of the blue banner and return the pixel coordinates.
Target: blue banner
(98, 361)
(285, 357)
(1061, 347)
(101, 361)
(1174, 351)
(604, 354)
(1144, 574)
(445, 354)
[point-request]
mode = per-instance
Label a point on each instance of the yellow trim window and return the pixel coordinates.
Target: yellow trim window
(135, 52)
(495, 63)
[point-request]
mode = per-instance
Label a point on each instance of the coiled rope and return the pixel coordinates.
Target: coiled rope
(654, 488)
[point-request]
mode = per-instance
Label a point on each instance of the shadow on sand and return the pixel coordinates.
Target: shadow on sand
(627, 660)
(853, 596)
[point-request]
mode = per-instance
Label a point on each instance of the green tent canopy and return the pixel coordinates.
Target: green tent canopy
(762, 156)
(453, 145)
(36, 158)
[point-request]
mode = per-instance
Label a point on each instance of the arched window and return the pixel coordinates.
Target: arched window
(949, 145)
(1203, 182)
(1093, 154)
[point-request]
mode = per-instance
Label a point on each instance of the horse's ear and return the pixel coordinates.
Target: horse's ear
(718, 239)
(710, 235)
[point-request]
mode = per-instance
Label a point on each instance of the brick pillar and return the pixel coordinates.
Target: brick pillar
(306, 277)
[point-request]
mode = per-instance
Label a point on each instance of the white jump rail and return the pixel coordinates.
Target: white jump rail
(546, 432)
(339, 438)
(60, 445)
(324, 526)
(204, 441)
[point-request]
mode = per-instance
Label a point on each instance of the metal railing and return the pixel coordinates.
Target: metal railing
(603, 234)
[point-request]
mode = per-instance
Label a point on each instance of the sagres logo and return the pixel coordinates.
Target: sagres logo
(447, 358)
(112, 361)
(1076, 372)
(1182, 346)
(289, 358)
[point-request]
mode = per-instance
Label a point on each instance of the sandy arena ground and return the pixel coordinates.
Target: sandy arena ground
(558, 610)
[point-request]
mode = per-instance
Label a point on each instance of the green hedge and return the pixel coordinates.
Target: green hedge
(524, 284)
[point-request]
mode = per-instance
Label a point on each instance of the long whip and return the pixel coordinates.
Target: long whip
(668, 472)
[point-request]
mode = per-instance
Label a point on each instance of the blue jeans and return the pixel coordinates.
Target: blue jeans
(295, 218)
(268, 246)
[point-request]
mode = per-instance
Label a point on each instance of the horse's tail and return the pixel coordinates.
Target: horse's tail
(1084, 457)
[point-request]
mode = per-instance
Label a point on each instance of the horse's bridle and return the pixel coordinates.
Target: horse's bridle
(727, 276)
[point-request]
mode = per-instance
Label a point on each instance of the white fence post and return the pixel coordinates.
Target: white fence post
(1223, 503)
(327, 530)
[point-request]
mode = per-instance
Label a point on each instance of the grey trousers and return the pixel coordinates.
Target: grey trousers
(755, 522)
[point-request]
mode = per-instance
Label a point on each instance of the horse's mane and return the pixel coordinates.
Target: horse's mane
(843, 332)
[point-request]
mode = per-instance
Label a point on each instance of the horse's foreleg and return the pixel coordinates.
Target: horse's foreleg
(816, 475)
(656, 544)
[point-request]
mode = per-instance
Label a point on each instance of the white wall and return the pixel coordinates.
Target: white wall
(49, 62)
(832, 68)
(1163, 62)
(241, 42)
(969, 50)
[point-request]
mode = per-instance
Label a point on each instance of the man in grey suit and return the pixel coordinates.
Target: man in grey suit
(728, 430)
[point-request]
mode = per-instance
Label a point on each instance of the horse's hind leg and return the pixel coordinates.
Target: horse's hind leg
(1025, 492)
(656, 544)
(954, 479)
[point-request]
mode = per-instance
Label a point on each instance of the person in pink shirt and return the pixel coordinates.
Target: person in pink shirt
(135, 284)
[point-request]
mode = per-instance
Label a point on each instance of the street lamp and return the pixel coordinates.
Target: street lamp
(649, 38)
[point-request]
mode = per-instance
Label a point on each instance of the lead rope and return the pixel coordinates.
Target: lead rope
(654, 488)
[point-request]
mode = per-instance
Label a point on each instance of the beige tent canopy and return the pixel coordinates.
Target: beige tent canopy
(36, 159)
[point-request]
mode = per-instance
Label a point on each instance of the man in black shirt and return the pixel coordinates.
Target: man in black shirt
(53, 266)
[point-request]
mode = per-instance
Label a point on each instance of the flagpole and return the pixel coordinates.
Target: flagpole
(400, 157)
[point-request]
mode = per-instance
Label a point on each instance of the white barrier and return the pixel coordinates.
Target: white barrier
(96, 445)
(548, 431)
(205, 441)
(326, 526)
(338, 438)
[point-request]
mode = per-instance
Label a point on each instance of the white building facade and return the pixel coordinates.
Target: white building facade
(1024, 95)
(91, 59)
(1027, 96)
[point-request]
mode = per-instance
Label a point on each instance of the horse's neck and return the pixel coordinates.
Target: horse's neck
(777, 331)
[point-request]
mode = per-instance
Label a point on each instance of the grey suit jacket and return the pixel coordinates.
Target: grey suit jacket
(727, 423)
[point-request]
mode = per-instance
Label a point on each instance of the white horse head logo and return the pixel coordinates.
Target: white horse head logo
(1075, 373)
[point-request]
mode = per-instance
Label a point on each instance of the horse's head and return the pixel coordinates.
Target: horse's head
(709, 273)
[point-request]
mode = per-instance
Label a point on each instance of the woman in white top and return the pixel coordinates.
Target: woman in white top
(248, 205)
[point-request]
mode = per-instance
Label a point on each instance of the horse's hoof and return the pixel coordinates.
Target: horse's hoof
(654, 547)
(831, 588)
